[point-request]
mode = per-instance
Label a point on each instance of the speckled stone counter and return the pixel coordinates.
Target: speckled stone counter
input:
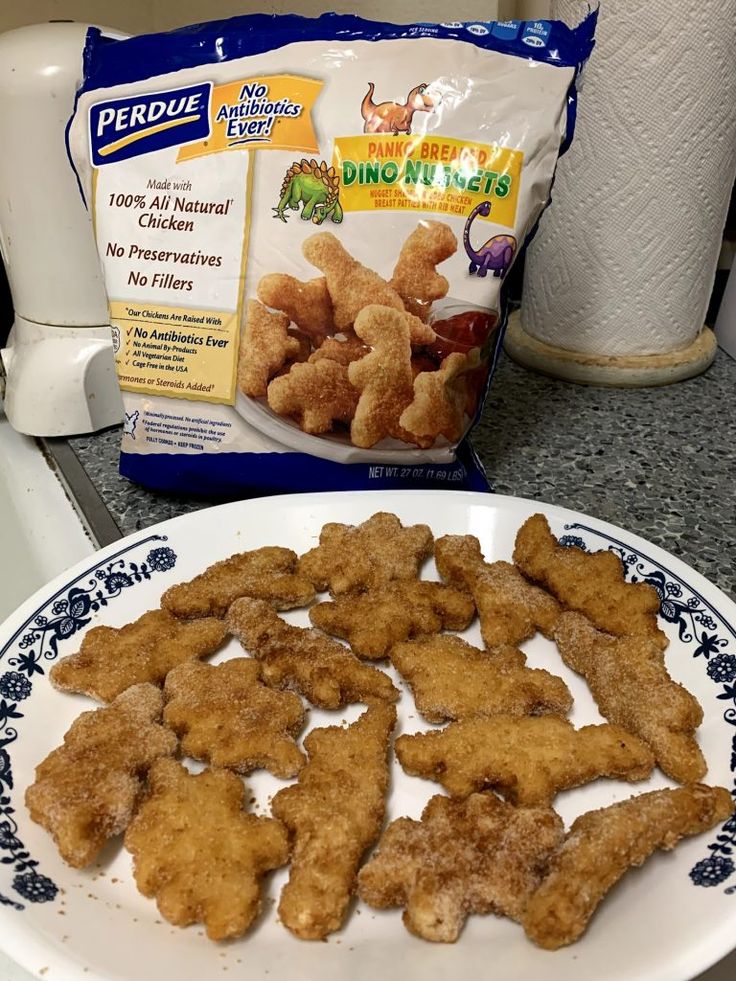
(660, 462)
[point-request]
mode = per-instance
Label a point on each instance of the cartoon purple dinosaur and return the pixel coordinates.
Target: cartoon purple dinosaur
(496, 254)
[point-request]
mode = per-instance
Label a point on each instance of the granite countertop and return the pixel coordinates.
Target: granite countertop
(660, 462)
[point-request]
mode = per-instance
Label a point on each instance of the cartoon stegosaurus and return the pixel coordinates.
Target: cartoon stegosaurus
(314, 186)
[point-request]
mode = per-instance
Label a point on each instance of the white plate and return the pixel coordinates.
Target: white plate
(659, 924)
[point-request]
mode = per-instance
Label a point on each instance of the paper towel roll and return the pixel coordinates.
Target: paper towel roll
(624, 260)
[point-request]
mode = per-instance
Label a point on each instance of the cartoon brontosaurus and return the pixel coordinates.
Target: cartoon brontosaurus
(496, 254)
(393, 117)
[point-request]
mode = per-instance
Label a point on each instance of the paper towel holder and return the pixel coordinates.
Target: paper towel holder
(624, 371)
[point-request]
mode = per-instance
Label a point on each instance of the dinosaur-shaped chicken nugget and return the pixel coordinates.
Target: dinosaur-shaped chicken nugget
(415, 278)
(354, 286)
(384, 377)
(345, 351)
(265, 346)
(372, 622)
(440, 397)
(591, 583)
(335, 813)
(227, 717)
(603, 845)
(308, 304)
(110, 660)
(528, 760)
(631, 686)
(510, 608)
(268, 573)
(199, 853)
(478, 855)
(450, 679)
(86, 790)
(355, 558)
(317, 394)
(321, 669)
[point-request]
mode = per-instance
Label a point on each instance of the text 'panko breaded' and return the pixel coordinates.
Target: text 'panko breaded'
(334, 813)
(510, 609)
(319, 668)
(110, 660)
(86, 791)
(356, 558)
(591, 583)
(478, 855)
(199, 853)
(528, 760)
(602, 845)
(450, 679)
(268, 573)
(373, 622)
(631, 686)
(225, 716)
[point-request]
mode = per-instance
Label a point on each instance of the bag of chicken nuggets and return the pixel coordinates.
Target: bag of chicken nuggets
(305, 227)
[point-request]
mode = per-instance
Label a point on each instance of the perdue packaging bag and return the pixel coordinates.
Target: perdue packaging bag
(305, 226)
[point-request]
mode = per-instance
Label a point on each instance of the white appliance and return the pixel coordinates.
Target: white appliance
(59, 365)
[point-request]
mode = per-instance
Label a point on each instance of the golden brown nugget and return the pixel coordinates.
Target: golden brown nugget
(602, 845)
(353, 286)
(308, 305)
(86, 790)
(479, 855)
(373, 622)
(510, 609)
(440, 397)
(111, 660)
(450, 680)
(528, 760)
(415, 277)
(268, 573)
(225, 716)
(344, 352)
(199, 854)
(591, 583)
(384, 377)
(317, 395)
(334, 813)
(356, 558)
(265, 346)
(631, 686)
(319, 668)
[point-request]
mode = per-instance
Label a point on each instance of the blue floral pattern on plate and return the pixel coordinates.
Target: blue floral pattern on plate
(32, 645)
(702, 628)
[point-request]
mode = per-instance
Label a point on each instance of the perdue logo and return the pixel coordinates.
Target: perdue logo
(123, 128)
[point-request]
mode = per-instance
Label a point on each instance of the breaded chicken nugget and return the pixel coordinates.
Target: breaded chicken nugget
(527, 760)
(316, 394)
(438, 405)
(415, 277)
(199, 853)
(268, 573)
(510, 609)
(265, 346)
(602, 845)
(334, 813)
(452, 680)
(321, 669)
(86, 790)
(227, 717)
(631, 686)
(308, 304)
(591, 583)
(111, 660)
(356, 558)
(479, 855)
(353, 286)
(345, 351)
(372, 622)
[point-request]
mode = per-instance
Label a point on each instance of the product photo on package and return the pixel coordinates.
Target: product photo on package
(305, 228)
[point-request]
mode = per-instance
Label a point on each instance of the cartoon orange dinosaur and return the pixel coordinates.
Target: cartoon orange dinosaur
(393, 117)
